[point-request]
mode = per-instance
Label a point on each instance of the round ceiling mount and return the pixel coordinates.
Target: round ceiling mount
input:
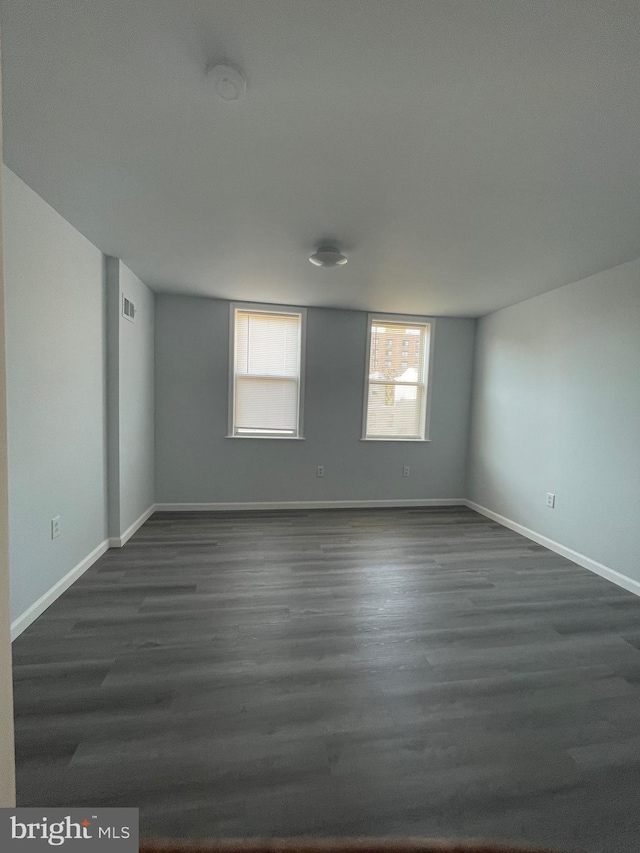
(328, 256)
(228, 82)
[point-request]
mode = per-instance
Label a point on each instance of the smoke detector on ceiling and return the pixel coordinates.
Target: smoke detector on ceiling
(328, 256)
(228, 82)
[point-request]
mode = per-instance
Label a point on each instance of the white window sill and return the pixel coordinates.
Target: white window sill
(274, 437)
(414, 440)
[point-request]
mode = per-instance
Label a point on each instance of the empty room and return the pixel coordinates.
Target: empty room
(320, 459)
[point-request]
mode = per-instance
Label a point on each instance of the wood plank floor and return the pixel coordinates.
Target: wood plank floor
(338, 672)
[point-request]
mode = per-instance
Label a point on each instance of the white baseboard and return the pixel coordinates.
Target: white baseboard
(575, 556)
(240, 506)
(39, 606)
(119, 541)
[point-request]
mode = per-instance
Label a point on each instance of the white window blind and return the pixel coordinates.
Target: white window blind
(266, 373)
(396, 394)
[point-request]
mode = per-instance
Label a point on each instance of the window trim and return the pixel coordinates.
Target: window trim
(265, 308)
(428, 380)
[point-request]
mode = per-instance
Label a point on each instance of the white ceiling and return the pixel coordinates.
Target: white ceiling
(465, 155)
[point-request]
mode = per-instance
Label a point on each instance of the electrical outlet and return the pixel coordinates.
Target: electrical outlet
(405, 470)
(320, 471)
(55, 527)
(551, 500)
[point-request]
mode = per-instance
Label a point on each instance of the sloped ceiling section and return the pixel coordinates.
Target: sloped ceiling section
(465, 155)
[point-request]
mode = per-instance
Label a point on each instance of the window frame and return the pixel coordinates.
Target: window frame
(425, 415)
(265, 308)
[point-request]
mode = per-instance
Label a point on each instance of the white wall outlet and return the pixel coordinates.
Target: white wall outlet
(551, 500)
(55, 527)
(405, 470)
(320, 471)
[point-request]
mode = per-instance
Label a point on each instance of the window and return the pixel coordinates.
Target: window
(266, 372)
(389, 342)
(396, 397)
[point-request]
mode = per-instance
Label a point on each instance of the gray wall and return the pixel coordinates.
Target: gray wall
(56, 354)
(7, 746)
(196, 463)
(137, 456)
(131, 399)
(557, 409)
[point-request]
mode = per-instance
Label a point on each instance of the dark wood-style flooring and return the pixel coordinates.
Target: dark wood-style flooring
(422, 672)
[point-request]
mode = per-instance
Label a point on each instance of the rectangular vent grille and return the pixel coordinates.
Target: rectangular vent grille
(128, 309)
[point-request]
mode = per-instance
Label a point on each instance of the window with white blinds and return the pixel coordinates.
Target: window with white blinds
(266, 379)
(396, 391)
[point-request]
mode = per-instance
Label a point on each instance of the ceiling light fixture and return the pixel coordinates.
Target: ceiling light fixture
(328, 256)
(228, 82)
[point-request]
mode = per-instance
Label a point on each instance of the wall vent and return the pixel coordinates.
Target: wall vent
(128, 309)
